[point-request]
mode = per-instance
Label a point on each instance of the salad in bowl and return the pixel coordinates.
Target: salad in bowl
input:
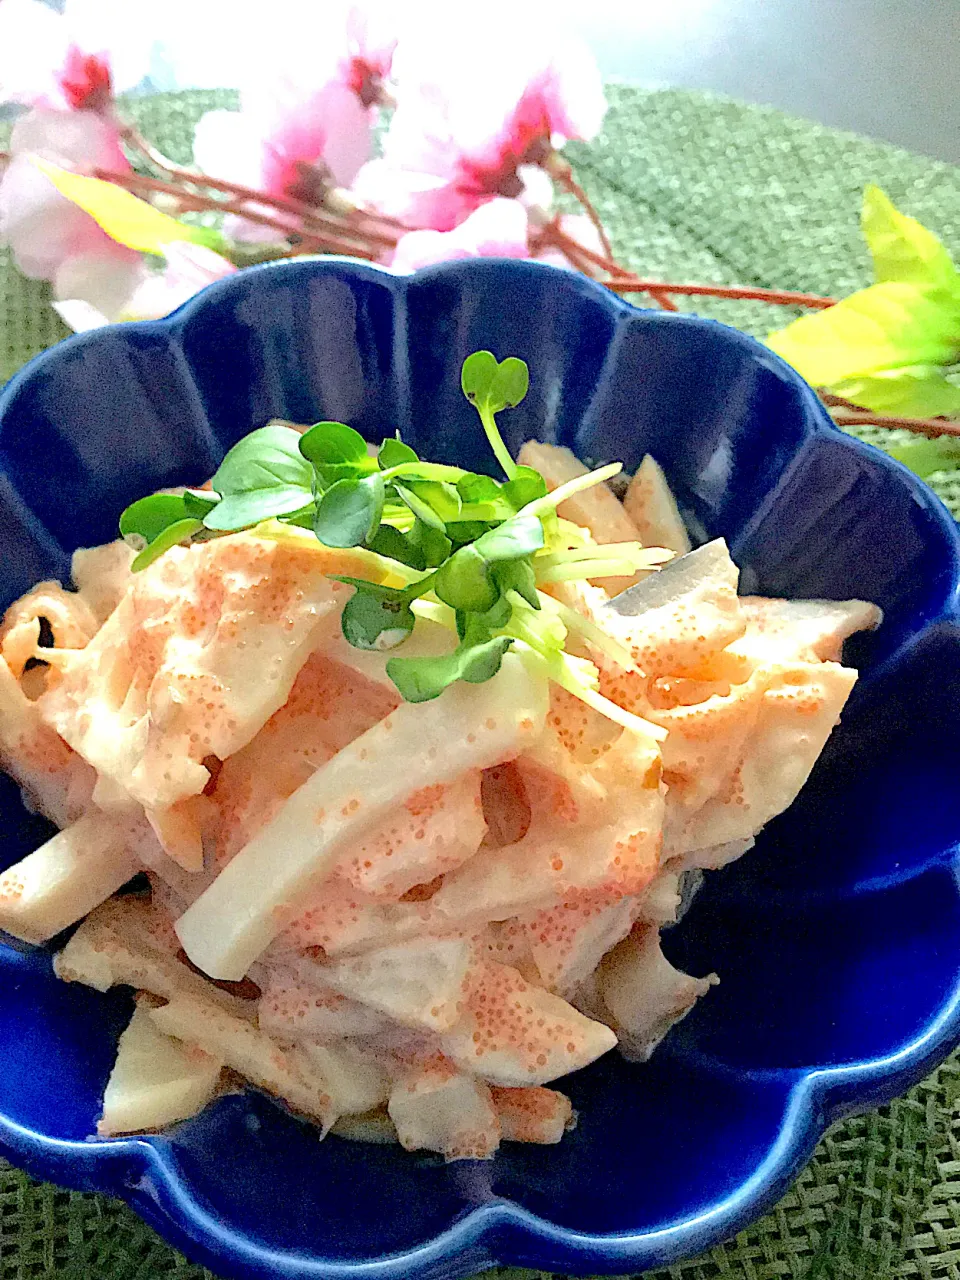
(412, 793)
(404, 793)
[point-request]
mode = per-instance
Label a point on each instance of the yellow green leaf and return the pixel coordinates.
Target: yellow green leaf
(887, 326)
(902, 248)
(123, 216)
(924, 456)
(916, 391)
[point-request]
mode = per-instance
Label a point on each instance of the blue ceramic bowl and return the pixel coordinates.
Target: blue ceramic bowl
(837, 938)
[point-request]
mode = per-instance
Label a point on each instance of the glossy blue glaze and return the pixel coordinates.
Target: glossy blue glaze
(837, 939)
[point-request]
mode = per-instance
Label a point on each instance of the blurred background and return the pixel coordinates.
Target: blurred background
(887, 68)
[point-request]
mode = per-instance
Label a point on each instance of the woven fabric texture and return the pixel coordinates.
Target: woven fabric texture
(691, 188)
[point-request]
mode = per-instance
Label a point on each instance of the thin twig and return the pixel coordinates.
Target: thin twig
(309, 212)
(930, 427)
(312, 241)
(578, 253)
(568, 181)
(782, 297)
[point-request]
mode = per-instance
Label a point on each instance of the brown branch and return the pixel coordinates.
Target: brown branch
(570, 184)
(930, 427)
(309, 240)
(289, 204)
(578, 254)
(782, 297)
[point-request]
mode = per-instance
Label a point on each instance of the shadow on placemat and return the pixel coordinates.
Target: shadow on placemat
(697, 189)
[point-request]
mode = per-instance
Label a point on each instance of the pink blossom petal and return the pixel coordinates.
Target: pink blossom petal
(73, 60)
(93, 293)
(285, 144)
(329, 127)
(104, 281)
(417, 198)
(114, 30)
(371, 39)
(33, 41)
(189, 268)
(497, 229)
(41, 226)
(80, 316)
(466, 126)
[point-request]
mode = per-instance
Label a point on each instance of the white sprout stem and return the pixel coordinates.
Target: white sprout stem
(589, 631)
(550, 501)
(435, 611)
(635, 724)
(562, 670)
(495, 440)
(583, 569)
(603, 550)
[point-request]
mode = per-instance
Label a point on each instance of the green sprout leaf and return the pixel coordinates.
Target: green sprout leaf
(474, 488)
(466, 580)
(442, 498)
(334, 443)
(494, 385)
(475, 628)
(421, 679)
(510, 385)
(521, 536)
(144, 521)
(198, 502)
(526, 486)
(268, 458)
(394, 453)
(433, 546)
(349, 512)
(477, 376)
(519, 576)
(241, 510)
(393, 544)
(172, 536)
(376, 617)
(490, 386)
(431, 501)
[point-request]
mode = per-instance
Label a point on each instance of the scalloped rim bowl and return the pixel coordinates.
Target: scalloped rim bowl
(848, 1017)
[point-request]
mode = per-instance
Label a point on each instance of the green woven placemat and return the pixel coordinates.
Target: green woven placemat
(691, 188)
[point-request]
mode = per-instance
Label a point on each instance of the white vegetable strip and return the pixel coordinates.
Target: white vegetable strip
(155, 1081)
(419, 984)
(117, 946)
(469, 726)
(438, 1109)
(653, 509)
(285, 1073)
(55, 781)
(72, 873)
(644, 994)
(513, 1033)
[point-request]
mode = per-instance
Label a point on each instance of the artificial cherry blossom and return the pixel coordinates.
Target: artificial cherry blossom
(75, 60)
(43, 229)
(465, 131)
(497, 229)
(94, 292)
